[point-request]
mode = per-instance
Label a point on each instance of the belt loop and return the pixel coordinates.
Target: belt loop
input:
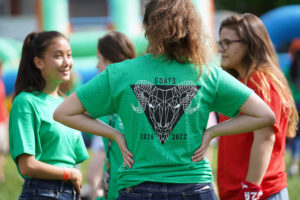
(61, 187)
(74, 194)
(29, 180)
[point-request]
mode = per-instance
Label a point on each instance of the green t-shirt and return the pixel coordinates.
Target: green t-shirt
(295, 87)
(115, 156)
(33, 131)
(164, 109)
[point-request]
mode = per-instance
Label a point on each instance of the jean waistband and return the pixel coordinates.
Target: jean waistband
(159, 186)
(53, 183)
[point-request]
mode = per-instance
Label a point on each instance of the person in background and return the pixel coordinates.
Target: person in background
(44, 151)
(114, 47)
(69, 86)
(251, 165)
(293, 76)
(164, 99)
(3, 126)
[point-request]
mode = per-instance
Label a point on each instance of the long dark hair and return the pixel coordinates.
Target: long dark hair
(116, 47)
(174, 28)
(261, 58)
(29, 77)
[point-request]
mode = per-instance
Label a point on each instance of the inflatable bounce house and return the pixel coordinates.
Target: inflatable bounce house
(125, 17)
(282, 24)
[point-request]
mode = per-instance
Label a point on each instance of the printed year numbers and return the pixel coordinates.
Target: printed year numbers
(180, 136)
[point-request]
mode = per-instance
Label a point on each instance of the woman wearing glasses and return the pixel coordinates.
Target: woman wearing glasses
(251, 165)
(164, 99)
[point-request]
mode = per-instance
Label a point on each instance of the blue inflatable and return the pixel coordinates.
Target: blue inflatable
(283, 24)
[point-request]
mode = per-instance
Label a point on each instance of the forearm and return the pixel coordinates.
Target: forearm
(87, 124)
(239, 124)
(260, 154)
(72, 113)
(256, 115)
(33, 168)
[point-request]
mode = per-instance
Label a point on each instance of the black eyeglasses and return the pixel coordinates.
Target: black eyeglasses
(224, 44)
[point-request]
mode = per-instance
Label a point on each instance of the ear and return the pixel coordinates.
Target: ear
(38, 63)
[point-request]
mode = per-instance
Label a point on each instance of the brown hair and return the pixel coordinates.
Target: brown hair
(116, 47)
(174, 28)
(261, 57)
(29, 77)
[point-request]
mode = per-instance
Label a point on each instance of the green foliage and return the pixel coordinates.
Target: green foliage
(256, 7)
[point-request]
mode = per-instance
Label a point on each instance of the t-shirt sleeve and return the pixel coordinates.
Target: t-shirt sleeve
(230, 94)
(96, 96)
(22, 130)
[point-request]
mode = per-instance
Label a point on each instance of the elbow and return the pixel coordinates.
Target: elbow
(270, 118)
(271, 138)
(57, 116)
(26, 168)
(25, 171)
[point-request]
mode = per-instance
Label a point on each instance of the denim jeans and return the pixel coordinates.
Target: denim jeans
(37, 189)
(282, 195)
(168, 191)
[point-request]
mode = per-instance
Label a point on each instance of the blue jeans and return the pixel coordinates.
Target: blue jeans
(296, 147)
(282, 195)
(168, 191)
(37, 189)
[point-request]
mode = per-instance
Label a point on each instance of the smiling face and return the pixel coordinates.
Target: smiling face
(57, 62)
(232, 57)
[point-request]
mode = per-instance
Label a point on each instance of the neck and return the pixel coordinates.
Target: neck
(51, 89)
(242, 70)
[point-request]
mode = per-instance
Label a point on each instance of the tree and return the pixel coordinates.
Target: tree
(256, 7)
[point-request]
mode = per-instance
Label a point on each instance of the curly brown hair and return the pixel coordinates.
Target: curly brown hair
(174, 28)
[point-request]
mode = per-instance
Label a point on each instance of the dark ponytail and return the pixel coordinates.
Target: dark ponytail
(29, 77)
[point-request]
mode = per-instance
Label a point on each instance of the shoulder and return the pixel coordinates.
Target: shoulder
(257, 79)
(27, 96)
(211, 69)
(263, 85)
(257, 75)
(24, 100)
(129, 63)
(218, 74)
(127, 69)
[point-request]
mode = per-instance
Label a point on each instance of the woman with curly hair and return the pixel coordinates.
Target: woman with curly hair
(164, 99)
(251, 165)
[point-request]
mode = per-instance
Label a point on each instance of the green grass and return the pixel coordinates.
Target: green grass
(11, 188)
(293, 182)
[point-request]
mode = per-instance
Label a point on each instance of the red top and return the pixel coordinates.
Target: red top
(234, 153)
(3, 112)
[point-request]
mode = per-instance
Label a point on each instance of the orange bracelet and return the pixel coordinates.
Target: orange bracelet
(67, 173)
